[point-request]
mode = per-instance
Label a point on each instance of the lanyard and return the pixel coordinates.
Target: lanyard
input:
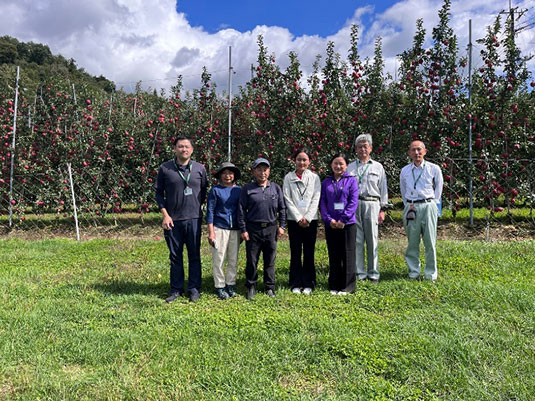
(359, 176)
(338, 191)
(417, 179)
(302, 193)
(186, 179)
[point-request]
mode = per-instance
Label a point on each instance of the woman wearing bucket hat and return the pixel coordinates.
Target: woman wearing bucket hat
(223, 230)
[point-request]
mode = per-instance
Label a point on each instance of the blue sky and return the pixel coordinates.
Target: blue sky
(300, 17)
(155, 41)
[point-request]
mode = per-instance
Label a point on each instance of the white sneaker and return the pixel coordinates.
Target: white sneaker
(334, 292)
(307, 290)
(296, 290)
(342, 293)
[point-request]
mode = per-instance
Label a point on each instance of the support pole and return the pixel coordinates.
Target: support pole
(73, 202)
(470, 189)
(73, 94)
(229, 102)
(13, 149)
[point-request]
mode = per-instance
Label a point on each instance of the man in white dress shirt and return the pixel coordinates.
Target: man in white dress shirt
(373, 198)
(421, 189)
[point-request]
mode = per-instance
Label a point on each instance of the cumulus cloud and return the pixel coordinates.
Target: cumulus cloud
(147, 40)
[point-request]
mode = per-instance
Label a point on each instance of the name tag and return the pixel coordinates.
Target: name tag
(338, 206)
(188, 191)
(302, 203)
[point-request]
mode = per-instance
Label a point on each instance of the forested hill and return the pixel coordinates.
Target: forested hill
(39, 65)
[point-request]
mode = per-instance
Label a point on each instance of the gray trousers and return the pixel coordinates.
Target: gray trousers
(367, 238)
(423, 226)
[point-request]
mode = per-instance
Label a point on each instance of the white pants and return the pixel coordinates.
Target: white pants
(227, 246)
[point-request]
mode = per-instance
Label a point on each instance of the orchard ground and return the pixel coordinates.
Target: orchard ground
(520, 225)
(87, 320)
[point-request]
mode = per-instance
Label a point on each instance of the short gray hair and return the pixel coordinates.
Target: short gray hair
(364, 138)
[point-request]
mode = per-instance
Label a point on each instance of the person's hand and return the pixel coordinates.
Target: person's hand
(341, 225)
(280, 233)
(245, 236)
(167, 223)
(303, 223)
(211, 239)
(334, 224)
(381, 216)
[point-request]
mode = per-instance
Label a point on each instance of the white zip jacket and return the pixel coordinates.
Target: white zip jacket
(302, 196)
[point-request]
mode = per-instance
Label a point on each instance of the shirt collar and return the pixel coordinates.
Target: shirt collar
(268, 183)
(294, 176)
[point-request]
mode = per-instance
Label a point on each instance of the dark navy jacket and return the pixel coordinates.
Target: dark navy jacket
(170, 187)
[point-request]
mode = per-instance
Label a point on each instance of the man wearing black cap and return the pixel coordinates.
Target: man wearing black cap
(261, 202)
(180, 191)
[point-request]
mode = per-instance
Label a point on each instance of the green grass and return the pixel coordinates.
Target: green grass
(88, 321)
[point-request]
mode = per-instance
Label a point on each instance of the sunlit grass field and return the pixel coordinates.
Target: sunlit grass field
(88, 321)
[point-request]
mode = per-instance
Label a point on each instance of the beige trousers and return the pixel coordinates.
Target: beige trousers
(227, 246)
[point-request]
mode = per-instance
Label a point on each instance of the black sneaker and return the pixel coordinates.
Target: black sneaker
(194, 295)
(221, 293)
(230, 291)
(251, 292)
(270, 293)
(173, 296)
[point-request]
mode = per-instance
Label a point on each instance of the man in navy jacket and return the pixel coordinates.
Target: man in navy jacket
(180, 191)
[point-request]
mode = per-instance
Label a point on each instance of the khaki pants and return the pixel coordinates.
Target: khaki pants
(424, 227)
(368, 237)
(227, 246)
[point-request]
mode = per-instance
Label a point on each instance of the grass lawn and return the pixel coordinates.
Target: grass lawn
(88, 321)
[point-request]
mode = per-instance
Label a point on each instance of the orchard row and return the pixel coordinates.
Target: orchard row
(116, 143)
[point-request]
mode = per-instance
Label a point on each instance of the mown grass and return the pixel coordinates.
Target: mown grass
(88, 321)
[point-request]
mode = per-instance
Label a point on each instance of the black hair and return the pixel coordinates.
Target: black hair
(182, 138)
(342, 155)
(301, 150)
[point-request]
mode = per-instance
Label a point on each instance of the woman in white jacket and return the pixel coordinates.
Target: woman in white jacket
(302, 189)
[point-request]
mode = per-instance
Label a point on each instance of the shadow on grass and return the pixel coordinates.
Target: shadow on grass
(161, 289)
(119, 287)
(394, 276)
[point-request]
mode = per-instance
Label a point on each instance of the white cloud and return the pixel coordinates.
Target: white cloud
(129, 41)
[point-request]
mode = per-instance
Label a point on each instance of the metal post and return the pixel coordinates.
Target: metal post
(73, 202)
(229, 101)
(13, 149)
(470, 121)
(109, 113)
(73, 94)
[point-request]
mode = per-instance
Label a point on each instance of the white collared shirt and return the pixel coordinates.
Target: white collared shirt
(423, 182)
(302, 195)
(371, 178)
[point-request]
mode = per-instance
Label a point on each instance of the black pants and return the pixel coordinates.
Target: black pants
(302, 243)
(261, 239)
(342, 264)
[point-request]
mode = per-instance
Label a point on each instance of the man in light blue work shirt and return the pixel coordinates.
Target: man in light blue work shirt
(373, 199)
(421, 189)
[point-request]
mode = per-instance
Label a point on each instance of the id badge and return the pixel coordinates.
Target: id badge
(338, 206)
(302, 204)
(188, 191)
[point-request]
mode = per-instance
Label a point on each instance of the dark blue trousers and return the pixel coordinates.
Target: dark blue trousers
(186, 232)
